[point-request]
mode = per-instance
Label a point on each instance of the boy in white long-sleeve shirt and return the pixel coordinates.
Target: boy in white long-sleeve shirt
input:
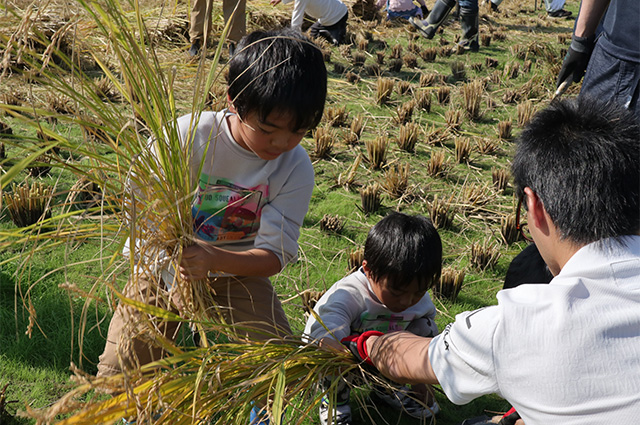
(402, 260)
(331, 18)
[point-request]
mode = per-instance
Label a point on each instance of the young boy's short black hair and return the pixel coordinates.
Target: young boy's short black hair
(404, 248)
(279, 71)
(581, 158)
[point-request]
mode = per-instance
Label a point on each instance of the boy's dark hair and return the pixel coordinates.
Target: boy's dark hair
(278, 71)
(404, 248)
(581, 158)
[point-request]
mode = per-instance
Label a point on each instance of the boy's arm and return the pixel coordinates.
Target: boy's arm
(402, 357)
(198, 260)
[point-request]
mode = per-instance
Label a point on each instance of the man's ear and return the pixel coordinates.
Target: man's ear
(537, 215)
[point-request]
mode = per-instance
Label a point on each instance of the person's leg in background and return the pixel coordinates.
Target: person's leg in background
(555, 9)
(200, 13)
(469, 23)
(238, 27)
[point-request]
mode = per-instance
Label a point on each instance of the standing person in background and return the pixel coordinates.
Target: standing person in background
(612, 58)
(468, 21)
(201, 19)
(555, 9)
(331, 18)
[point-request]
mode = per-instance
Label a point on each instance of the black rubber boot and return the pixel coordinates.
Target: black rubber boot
(469, 24)
(439, 13)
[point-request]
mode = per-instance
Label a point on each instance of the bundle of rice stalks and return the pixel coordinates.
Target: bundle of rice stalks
(352, 77)
(441, 213)
(508, 230)
(458, 70)
(526, 66)
(395, 65)
(436, 165)
(373, 70)
(487, 146)
(358, 58)
(450, 284)
(499, 36)
(380, 57)
(396, 180)
(336, 115)
(410, 60)
(491, 62)
(323, 138)
(445, 51)
(504, 130)
(357, 125)
(437, 136)
(338, 68)
(511, 70)
(404, 87)
(500, 178)
(366, 9)
(361, 42)
(384, 89)
(518, 51)
(525, 113)
(443, 94)
(215, 385)
(408, 137)
(484, 255)
(345, 51)
(476, 196)
(355, 258)
(424, 101)
(413, 47)
(485, 39)
(511, 96)
(472, 97)
(396, 51)
(331, 224)
(377, 151)
(453, 117)
(430, 79)
(429, 54)
(477, 66)
(28, 203)
(370, 198)
(404, 112)
(462, 149)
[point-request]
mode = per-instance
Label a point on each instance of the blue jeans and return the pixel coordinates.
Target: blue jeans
(472, 5)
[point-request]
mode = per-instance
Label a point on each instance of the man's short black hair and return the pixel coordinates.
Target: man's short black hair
(581, 158)
(280, 71)
(404, 248)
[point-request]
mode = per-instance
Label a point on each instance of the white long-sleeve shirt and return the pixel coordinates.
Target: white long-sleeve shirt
(327, 12)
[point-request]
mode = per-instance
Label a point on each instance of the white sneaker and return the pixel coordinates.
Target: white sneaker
(341, 415)
(401, 400)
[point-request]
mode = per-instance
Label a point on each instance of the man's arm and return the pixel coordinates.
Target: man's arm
(198, 260)
(402, 357)
(591, 12)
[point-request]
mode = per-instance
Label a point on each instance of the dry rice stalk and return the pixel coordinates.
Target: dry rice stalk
(28, 204)
(443, 94)
(453, 118)
(487, 146)
(358, 58)
(345, 50)
(357, 125)
(511, 70)
(85, 194)
(500, 178)
(373, 69)
(450, 284)
(484, 255)
(436, 164)
(410, 60)
(508, 230)
(504, 130)
(413, 47)
(427, 80)
(424, 101)
(377, 151)
(396, 51)
(408, 137)
(458, 70)
(463, 149)
(380, 57)
(352, 77)
(491, 62)
(429, 54)
(331, 224)
(356, 256)
(361, 42)
(395, 65)
(499, 36)
(404, 87)
(525, 113)
(347, 179)
(485, 39)
(511, 96)
(476, 196)
(336, 115)
(370, 198)
(384, 89)
(441, 213)
(324, 139)
(472, 96)
(405, 112)
(338, 68)
(396, 180)
(437, 136)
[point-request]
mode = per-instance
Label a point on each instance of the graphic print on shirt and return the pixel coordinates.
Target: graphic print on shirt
(385, 323)
(224, 212)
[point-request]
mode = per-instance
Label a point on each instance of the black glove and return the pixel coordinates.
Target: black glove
(357, 345)
(425, 11)
(576, 60)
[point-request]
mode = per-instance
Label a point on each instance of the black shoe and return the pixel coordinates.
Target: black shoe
(194, 50)
(560, 14)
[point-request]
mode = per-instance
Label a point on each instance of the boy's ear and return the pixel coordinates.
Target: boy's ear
(365, 269)
(230, 103)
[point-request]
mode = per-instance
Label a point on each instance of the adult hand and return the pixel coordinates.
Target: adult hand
(575, 62)
(197, 260)
(358, 347)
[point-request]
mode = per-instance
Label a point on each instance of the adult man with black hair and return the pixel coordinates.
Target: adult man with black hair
(567, 352)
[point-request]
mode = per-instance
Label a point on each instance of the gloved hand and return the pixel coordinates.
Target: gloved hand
(357, 345)
(575, 62)
(425, 11)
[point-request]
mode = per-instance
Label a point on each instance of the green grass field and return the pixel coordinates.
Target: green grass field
(516, 74)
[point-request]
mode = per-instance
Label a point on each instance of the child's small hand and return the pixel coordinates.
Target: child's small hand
(196, 262)
(275, 2)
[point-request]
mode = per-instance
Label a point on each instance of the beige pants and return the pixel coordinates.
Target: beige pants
(202, 11)
(249, 303)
